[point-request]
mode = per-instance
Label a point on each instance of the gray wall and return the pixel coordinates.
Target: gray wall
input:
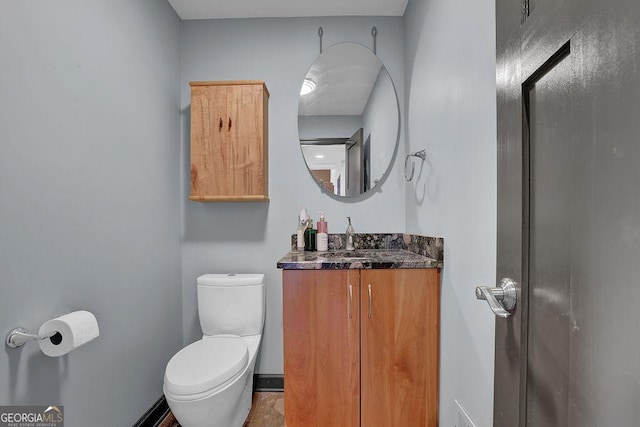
(89, 190)
(311, 127)
(450, 103)
(251, 237)
(381, 124)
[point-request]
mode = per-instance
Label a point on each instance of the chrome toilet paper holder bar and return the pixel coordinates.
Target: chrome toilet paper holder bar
(20, 336)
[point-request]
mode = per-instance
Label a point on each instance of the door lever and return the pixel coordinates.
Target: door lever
(501, 300)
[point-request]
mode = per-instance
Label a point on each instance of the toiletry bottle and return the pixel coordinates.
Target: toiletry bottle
(322, 236)
(300, 235)
(303, 217)
(350, 235)
(302, 225)
(310, 236)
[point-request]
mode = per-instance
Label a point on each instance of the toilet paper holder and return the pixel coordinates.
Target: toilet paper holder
(20, 336)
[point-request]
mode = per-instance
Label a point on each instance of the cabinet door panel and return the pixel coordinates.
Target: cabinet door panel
(400, 333)
(208, 111)
(321, 348)
(244, 128)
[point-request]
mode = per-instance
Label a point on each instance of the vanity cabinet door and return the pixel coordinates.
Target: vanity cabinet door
(321, 324)
(229, 141)
(400, 330)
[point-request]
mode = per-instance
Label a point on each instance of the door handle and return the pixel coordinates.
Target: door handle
(501, 300)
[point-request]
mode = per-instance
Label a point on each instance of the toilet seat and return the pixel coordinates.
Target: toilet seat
(206, 364)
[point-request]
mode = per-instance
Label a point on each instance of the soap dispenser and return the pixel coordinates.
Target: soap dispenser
(350, 235)
(322, 237)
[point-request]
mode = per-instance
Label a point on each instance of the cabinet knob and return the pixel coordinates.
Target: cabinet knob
(229, 123)
(220, 125)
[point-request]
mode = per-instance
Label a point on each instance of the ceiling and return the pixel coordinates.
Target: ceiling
(344, 75)
(217, 9)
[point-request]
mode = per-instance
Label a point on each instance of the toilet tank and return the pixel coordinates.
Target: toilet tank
(231, 304)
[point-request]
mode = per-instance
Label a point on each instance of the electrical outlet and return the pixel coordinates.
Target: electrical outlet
(462, 418)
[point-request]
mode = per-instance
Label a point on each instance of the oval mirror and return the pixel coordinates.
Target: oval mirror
(348, 120)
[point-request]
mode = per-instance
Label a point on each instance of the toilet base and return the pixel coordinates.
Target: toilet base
(228, 407)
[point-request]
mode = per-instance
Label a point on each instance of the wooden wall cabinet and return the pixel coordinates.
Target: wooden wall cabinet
(361, 347)
(229, 141)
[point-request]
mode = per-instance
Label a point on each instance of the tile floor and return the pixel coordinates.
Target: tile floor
(267, 410)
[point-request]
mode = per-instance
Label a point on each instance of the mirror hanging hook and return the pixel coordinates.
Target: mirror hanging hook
(320, 34)
(374, 33)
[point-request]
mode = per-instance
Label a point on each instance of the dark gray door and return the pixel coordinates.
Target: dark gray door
(568, 82)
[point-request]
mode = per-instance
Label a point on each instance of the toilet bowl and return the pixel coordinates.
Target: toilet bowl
(209, 382)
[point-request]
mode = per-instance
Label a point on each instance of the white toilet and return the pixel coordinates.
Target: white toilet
(209, 382)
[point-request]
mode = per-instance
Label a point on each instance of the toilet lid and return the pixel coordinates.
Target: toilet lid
(206, 364)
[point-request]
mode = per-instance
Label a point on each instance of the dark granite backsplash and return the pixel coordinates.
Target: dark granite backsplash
(431, 247)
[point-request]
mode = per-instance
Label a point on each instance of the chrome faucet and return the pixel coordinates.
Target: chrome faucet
(350, 234)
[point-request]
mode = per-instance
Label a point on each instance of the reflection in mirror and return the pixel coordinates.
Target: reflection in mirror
(348, 119)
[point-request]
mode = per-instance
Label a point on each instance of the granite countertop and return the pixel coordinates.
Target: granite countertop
(358, 259)
(379, 250)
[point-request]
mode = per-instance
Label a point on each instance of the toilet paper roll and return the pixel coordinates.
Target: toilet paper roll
(73, 330)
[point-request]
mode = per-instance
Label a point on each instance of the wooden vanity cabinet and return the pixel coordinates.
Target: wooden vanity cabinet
(321, 320)
(229, 141)
(400, 326)
(361, 347)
